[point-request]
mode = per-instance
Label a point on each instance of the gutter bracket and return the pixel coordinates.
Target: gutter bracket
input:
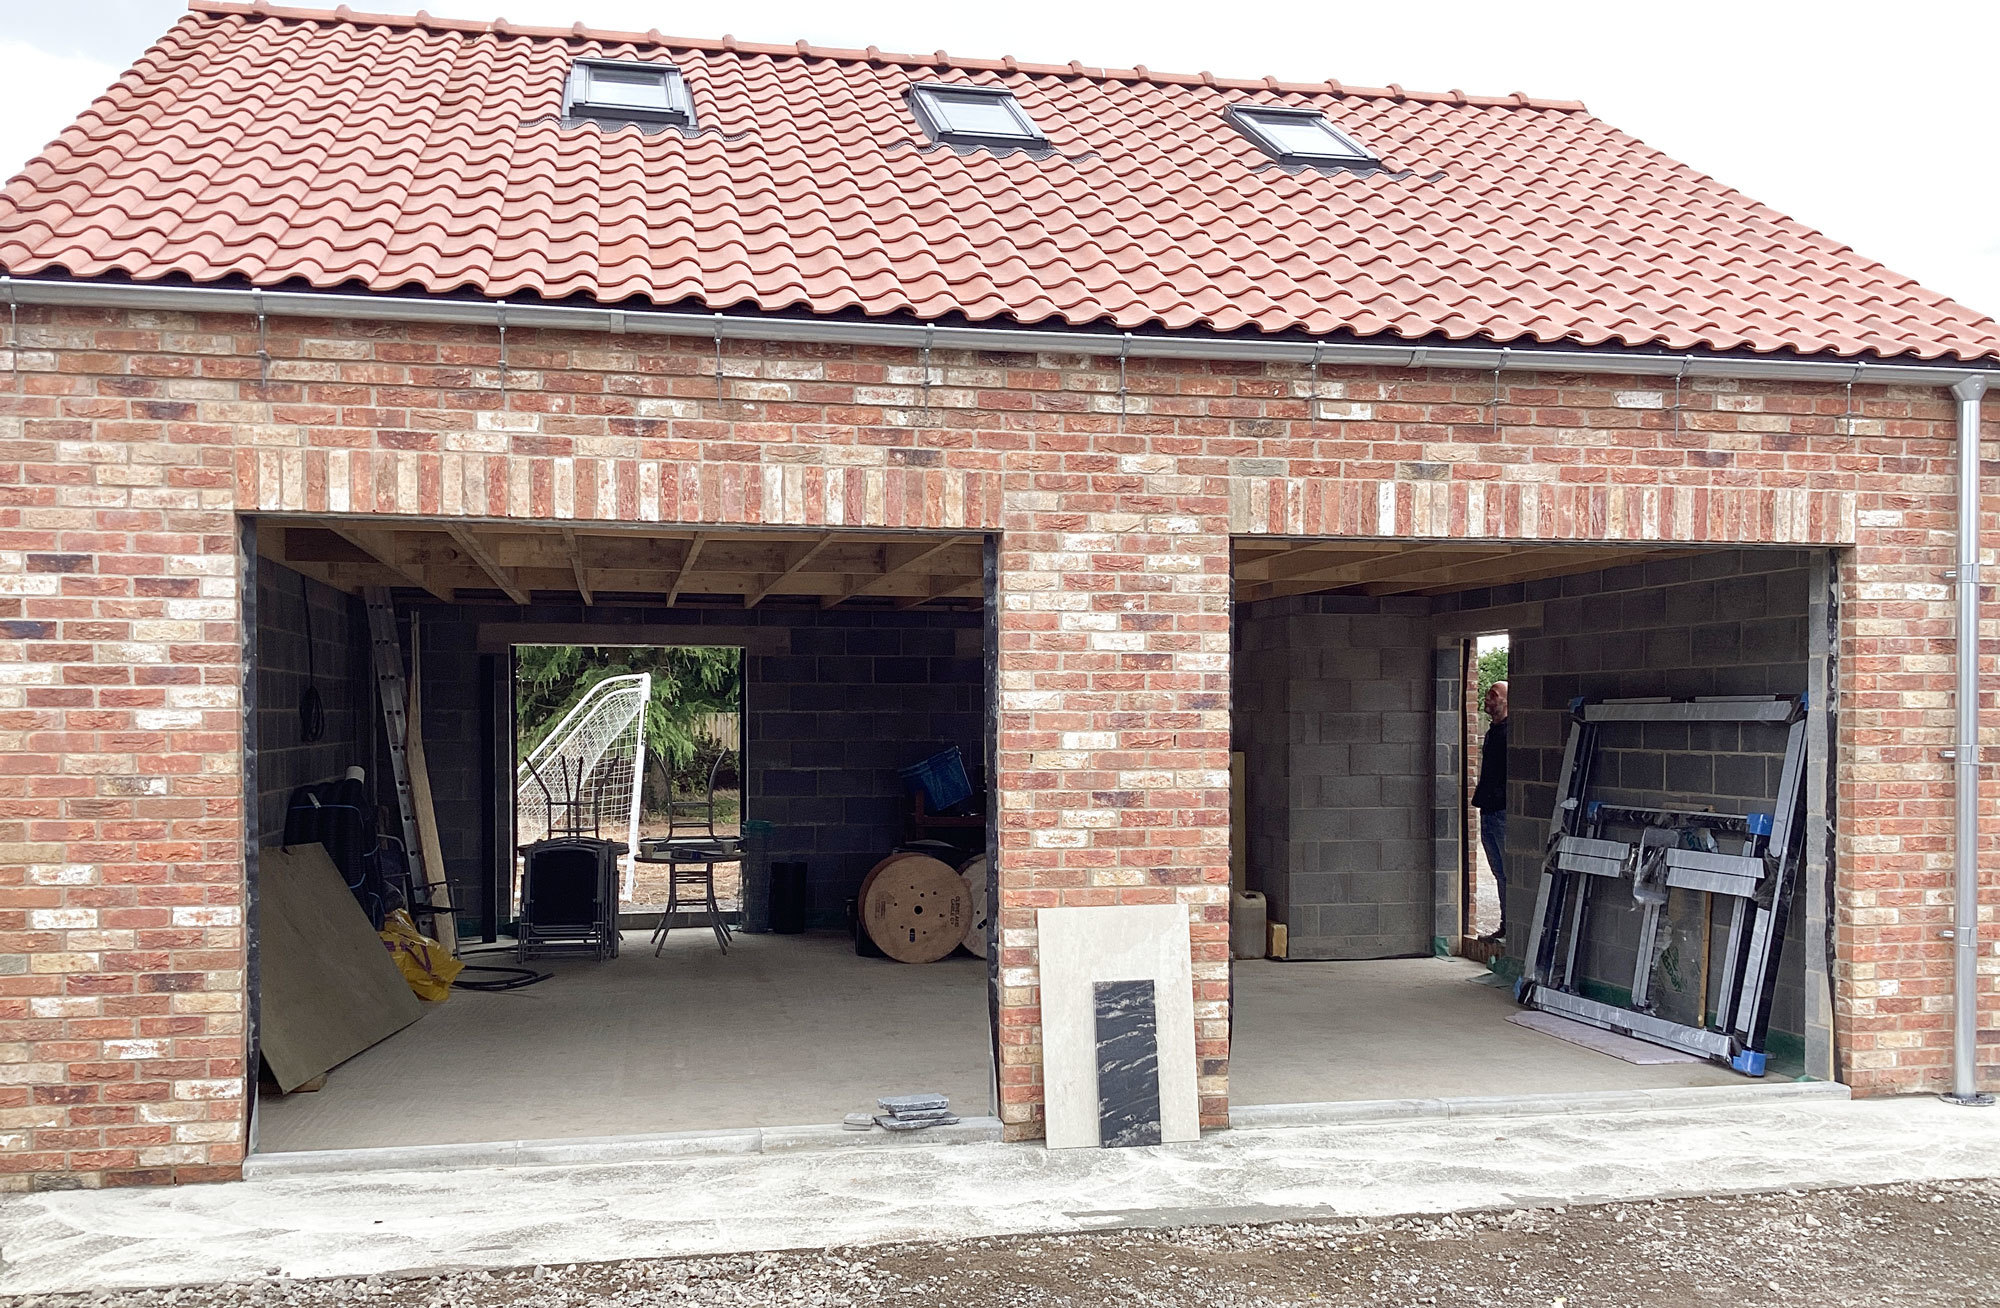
(1124, 352)
(930, 331)
(1847, 418)
(1312, 399)
(1687, 361)
(718, 361)
(263, 343)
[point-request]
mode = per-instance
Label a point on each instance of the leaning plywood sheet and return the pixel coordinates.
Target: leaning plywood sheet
(327, 988)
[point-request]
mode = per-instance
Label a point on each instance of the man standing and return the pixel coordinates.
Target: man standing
(1490, 796)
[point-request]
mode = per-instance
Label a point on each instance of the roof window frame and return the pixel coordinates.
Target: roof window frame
(579, 108)
(924, 104)
(1244, 118)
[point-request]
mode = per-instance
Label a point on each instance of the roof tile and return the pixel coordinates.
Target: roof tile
(390, 152)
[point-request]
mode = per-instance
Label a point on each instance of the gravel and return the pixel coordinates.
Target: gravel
(1936, 1245)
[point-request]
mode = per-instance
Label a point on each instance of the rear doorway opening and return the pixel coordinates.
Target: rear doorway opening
(1359, 724)
(747, 721)
(639, 743)
(1484, 662)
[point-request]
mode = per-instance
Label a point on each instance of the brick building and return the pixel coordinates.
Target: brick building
(1104, 438)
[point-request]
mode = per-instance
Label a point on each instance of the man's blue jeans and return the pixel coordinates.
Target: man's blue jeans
(1493, 838)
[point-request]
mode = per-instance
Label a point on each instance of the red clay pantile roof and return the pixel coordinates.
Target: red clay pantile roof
(388, 153)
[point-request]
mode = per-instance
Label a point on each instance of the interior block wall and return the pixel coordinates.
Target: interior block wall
(1334, 718)
(339, 670)
(133, 440)
(835, 702)
(1719, 623)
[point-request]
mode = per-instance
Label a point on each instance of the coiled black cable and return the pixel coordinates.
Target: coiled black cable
(509, 978)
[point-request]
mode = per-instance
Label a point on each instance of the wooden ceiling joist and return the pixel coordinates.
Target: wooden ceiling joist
(694, 548)
(463, 537)
(1412, 568)
(381, 547)
(1281, 564)
(575, 548)
(603, 563)
(1562, 562)
(798, 563)
(1336, 572)
(897, 561)
(944, 587)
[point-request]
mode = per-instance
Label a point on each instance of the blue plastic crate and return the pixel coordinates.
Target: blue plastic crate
(942, 779)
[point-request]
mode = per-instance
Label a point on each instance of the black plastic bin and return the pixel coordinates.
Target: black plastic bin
(788, 898)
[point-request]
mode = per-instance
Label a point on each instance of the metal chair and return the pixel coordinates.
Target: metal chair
(692, 819)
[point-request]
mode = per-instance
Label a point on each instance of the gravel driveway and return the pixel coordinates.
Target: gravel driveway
(1936, 1245)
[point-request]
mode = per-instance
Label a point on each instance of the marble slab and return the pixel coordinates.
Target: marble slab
(1128, 1065)
(1126, 942)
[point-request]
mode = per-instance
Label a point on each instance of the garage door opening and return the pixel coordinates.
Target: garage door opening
(1360, 724)
(786, 695)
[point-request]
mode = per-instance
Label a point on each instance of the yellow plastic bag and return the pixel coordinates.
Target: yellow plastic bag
(427, 965)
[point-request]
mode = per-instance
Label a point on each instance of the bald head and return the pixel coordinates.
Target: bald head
(1495, 702)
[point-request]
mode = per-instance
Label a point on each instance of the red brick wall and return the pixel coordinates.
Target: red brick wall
(132, 442)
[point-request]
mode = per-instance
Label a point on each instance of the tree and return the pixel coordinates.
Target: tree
(1492, 667)
(692, 684)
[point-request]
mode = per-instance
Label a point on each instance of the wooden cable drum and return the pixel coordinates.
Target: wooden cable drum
(914, 908)
(861, 896)
(975, 874)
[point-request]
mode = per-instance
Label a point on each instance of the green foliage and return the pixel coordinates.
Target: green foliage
(691, 685)
(1492, 668)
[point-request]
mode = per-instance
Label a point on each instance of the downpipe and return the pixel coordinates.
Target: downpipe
(1964, 932)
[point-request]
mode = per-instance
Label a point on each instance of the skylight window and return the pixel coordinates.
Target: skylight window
(974, 115)
(620, 92)
(1299, 136)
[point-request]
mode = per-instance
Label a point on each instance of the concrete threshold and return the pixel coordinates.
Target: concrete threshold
(413, 1222)
(1264, 1117)
(610, 1150)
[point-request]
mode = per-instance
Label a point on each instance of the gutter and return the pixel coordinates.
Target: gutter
(1968, 385)
(1016, 340)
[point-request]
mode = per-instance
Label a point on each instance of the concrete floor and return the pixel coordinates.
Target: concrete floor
(798, 1030)
(1403, 1027)
(348, 1225)
(785, 1030)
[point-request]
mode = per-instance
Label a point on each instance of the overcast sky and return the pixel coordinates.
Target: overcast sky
(1874, 123)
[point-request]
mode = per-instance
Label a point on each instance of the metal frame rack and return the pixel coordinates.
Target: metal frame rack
(1674, 849)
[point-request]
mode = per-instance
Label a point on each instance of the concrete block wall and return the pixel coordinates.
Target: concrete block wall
(340, 660)
(459, 747)
(855, 696)
(1719, 623)
(835, 701)
(1261, 720)
(1335, 726)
